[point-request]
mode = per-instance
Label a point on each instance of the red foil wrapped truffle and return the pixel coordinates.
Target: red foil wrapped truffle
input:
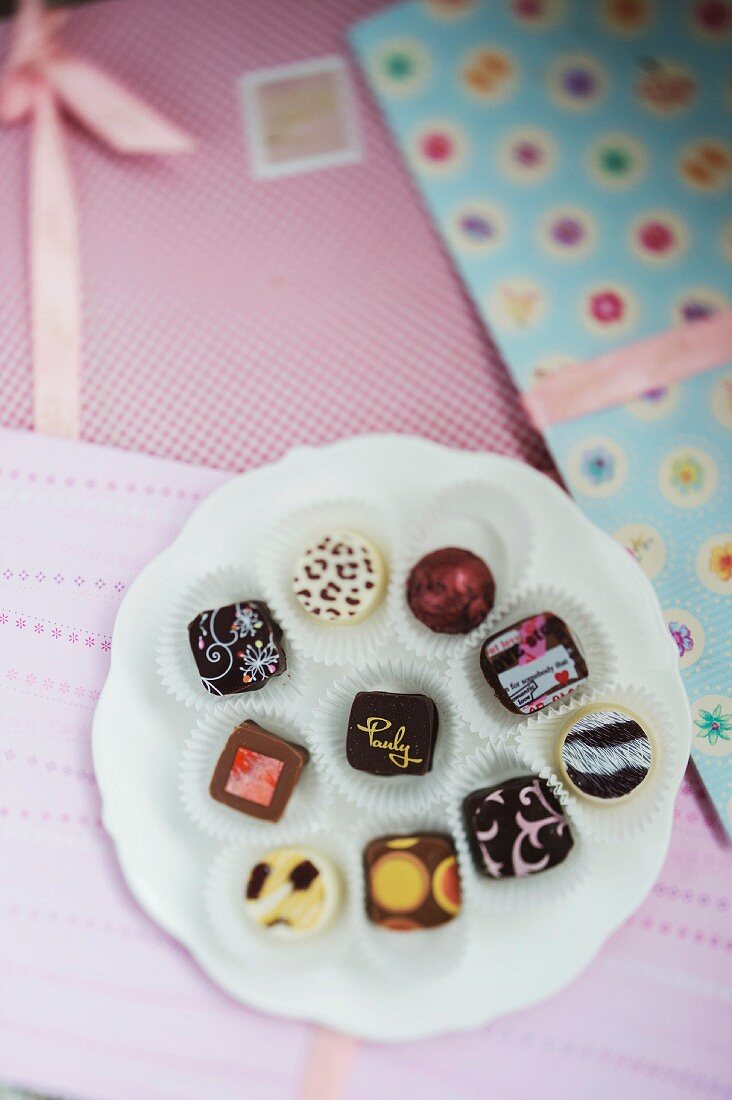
(450, 590)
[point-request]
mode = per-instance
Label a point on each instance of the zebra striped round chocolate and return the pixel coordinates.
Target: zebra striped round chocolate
(606, 754)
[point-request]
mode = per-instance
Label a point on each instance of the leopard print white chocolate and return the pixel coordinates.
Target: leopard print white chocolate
(341, 579)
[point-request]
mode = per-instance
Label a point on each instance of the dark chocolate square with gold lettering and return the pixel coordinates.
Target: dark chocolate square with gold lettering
(390, 733)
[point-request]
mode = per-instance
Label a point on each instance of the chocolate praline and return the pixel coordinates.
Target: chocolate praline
(391, 733)
(516, 828)
(605, 753)
(412, 882)
(257, 772)
(292, 892)
(340, 579)
(237, 648)
(450, 590)
(532, 663)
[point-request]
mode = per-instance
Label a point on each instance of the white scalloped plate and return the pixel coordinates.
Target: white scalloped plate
(511, 960)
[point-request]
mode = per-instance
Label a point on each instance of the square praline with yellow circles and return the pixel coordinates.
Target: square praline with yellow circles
(412, 881)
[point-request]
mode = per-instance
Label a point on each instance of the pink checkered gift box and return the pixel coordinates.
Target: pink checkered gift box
(226, 320)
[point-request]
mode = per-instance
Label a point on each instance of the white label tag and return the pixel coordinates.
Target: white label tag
(549, 675)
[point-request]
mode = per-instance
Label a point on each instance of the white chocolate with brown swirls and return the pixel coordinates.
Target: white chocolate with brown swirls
(341, 579)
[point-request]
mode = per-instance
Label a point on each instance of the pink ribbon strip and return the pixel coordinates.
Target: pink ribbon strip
(621, 375)
(41, 80)
(328, 1066)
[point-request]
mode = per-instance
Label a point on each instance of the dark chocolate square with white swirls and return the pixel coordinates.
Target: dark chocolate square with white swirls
(237, 648)
(516, 828)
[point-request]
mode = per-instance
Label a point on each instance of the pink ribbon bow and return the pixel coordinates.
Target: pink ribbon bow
(42, 80)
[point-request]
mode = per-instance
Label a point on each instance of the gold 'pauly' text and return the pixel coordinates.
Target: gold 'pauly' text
(397, 750)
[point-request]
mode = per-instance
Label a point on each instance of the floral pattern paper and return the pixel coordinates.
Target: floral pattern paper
(576, 161)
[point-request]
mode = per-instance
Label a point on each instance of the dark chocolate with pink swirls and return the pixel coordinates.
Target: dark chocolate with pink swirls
(516, 828)
(237, 648)
(451, 590)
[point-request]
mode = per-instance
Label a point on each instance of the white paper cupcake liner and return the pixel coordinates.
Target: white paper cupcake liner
(418, 953)
(475, 699)
(538, 742)
(493, 764)
(176, 665)
(308, 803)
(472, 515)
(224, 892)
(387, 796)
(323, 642)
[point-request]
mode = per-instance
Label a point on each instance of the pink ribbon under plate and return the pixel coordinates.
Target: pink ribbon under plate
(42, 82)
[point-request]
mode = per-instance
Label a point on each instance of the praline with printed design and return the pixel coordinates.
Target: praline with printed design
(532, 663)
(236, 648)
(516, 828)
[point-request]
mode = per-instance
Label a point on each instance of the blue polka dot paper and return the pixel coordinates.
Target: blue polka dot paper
(576, 160)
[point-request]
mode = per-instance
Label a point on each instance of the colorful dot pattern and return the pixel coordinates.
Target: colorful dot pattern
(577, 161)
